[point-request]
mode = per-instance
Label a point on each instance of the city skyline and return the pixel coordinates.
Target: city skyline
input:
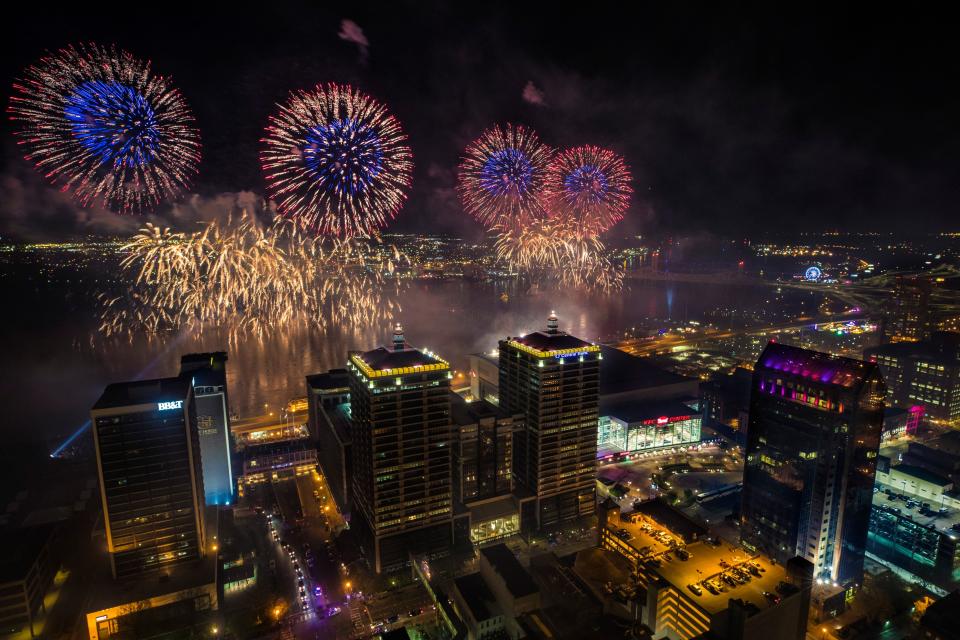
(431, 321)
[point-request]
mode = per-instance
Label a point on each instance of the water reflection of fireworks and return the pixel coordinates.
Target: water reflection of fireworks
(248, 279)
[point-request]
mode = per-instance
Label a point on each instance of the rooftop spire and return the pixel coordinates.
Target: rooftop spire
(553, 323)
(398, 342)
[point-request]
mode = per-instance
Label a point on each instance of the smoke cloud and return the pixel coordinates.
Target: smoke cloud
(351, 32)
(533, 95)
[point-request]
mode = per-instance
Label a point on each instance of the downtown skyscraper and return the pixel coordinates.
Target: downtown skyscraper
(553, 379)
(401, 448)
(151, 482)
(207, 373)
(812, 441)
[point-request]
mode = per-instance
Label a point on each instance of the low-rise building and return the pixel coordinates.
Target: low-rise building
(28, 565)
(628, 428)
(697, 589)
(915, 526)
(941, 620)
(512, 586)
(277, 459)
(477, 607)
(177, 597)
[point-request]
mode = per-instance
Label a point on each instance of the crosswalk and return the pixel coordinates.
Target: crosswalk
(357, 618)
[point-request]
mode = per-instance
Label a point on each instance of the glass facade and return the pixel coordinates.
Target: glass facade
(207, 373)
(922, 374)
(616, 435)
(813, 436)
(495, 529)
(149, 462)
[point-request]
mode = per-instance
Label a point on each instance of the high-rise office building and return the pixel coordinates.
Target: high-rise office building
(151, 482)
(400, 409)
(922, 374)
(811, 457)
(208, 374)
(552, 378)
(907, 316)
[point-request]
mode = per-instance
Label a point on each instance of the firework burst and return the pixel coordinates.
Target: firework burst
(96, 121)
(553, 251)
(501, 177)
(335, 161)
(248, 280)
(589, 186)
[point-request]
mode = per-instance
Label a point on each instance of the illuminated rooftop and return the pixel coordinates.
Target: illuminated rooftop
(551, 342)
(401, 359)
(815, 366)
(386, 362)
(651, 540)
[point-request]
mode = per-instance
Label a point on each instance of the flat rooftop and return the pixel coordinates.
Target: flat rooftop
(704, 564)
(509, 568)
(464, 413)
(277, 447)
(333, 379)
(206, 368)
(921, 474)
(674, 521)
(108, 593)
(942, 350)
(941, 522)
(394, 361)
(621, 372)
(632, 411)
(487, 510)
(125, 394)
(476, 594)
(341, 421)
(947, 442)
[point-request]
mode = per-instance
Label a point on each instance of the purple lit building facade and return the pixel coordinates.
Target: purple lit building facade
(812, 440)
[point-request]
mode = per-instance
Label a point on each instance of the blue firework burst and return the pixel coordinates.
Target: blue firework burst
(501, 177)
(114, 122)
(335, 161)
(97, 121)
(588, 186)
(507, 171)
(587, 181)
(344, 156)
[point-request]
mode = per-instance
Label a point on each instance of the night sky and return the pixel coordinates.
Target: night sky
(734, 119)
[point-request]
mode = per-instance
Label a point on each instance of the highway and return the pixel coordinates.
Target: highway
(669, 342)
